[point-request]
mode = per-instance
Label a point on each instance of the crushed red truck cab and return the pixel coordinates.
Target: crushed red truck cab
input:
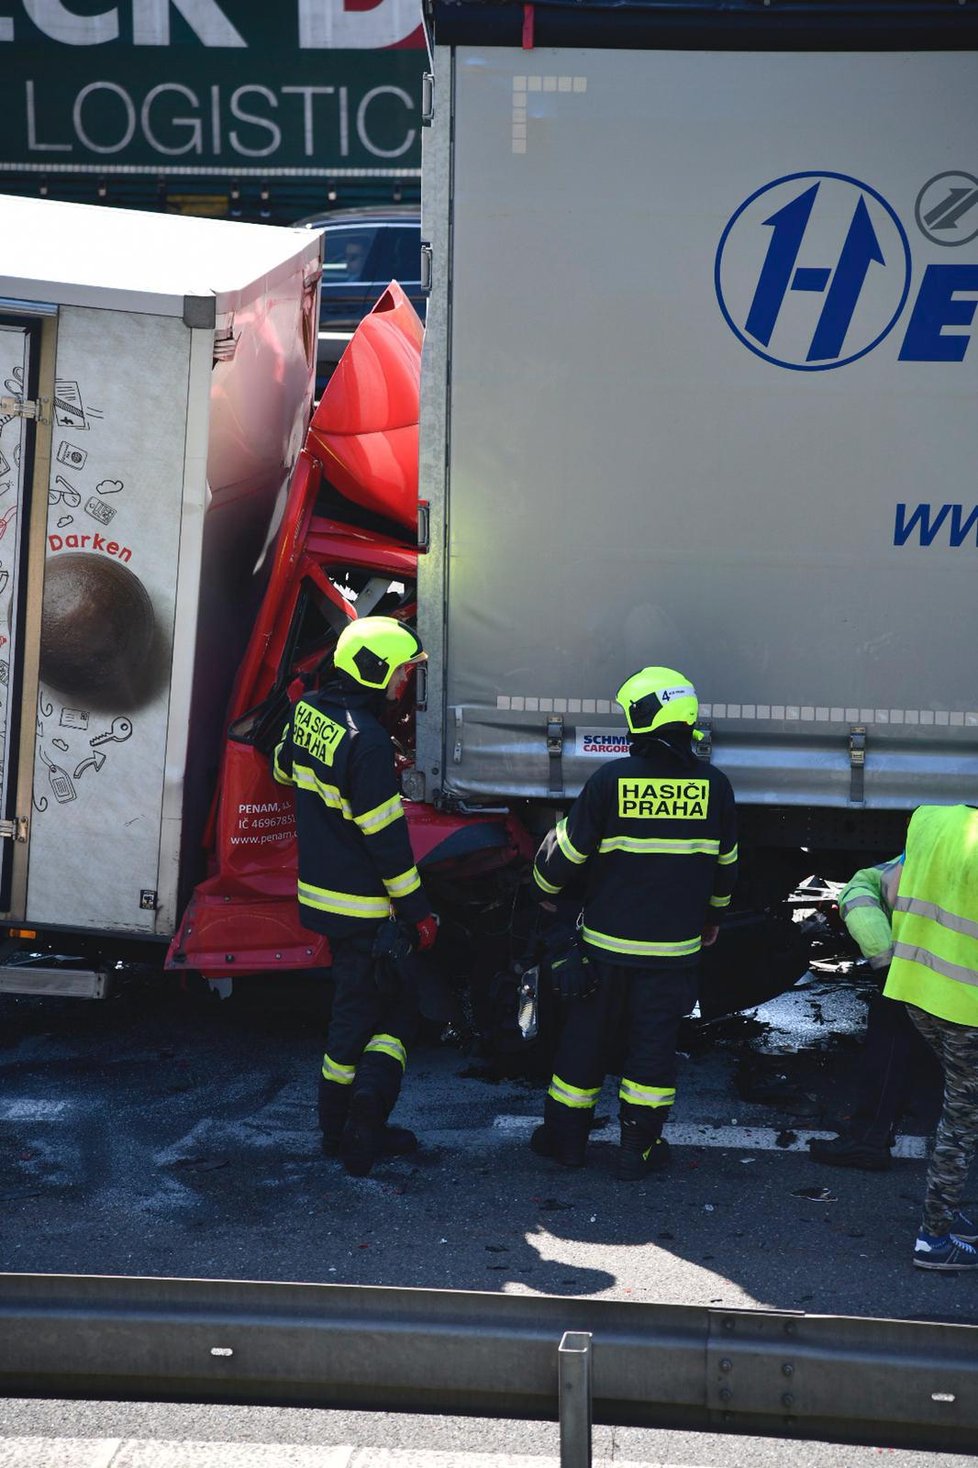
(346, 546)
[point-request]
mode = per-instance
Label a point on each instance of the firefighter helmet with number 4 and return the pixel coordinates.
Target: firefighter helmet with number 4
(653, 697)
(371, 649)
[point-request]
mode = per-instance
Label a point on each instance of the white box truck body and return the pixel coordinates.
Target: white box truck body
(699, 389)
(156, 383)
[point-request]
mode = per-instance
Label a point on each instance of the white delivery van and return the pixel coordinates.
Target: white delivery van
(156, 376)
(699, 389)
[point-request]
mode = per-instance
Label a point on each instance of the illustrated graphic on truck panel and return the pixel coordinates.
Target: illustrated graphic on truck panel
(69, 409)
(99, 632)
(107, 617)
(159, 425)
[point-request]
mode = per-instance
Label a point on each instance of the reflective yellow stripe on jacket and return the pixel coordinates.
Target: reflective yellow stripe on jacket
(347, 904)
(408, 881)
(279, 775)
(305, 779)
(544, 885)
(684, 949)
(656, 846)
(381, 816)
(864, 910)
(567, 846)
(943, 967)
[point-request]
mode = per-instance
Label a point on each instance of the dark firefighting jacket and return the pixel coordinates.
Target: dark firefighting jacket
(355, 857)
(654, 835)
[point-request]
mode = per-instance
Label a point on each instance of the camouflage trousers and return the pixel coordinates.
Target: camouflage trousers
(956, 1047)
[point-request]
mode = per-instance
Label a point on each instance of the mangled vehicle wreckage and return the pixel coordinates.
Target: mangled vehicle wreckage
(348, 546)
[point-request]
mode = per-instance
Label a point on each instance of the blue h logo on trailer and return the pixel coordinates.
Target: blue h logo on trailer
(814, 270)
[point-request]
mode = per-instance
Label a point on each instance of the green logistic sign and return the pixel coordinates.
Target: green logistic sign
(211, 86)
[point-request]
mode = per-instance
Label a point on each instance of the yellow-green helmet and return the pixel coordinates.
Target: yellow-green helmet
(653, 697)
(371, 649)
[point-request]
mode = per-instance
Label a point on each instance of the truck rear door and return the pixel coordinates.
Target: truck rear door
(17, 427)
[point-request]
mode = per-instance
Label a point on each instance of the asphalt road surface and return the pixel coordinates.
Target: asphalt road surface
(157, 1134)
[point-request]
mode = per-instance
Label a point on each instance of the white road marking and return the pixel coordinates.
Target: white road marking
(736, 1138)
(24, 1110)
(43, 1452)
(210, 1134)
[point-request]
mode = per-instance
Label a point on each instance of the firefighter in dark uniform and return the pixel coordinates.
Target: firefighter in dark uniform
(653, 835)
(355, 862)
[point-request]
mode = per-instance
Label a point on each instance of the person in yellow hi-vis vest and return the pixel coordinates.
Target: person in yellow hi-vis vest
(934, 970)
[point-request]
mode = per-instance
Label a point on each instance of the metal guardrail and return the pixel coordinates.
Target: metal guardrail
(783, 1374)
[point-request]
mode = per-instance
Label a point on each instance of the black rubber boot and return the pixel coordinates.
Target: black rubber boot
(395, 1141)
(367, 1138)
(334, 1108)
(639, 1155)
(362, 1140)
(569, 1151)
(564, 1135)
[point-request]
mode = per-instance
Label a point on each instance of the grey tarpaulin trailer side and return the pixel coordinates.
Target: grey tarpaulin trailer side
(622, 470)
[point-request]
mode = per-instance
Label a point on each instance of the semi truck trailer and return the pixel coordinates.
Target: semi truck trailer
(698, 390)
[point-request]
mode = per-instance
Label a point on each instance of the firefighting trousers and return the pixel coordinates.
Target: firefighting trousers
(373, 1020)
(956, 1046)
(635, 1011)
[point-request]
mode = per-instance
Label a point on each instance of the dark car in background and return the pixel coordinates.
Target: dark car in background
(364, 250)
